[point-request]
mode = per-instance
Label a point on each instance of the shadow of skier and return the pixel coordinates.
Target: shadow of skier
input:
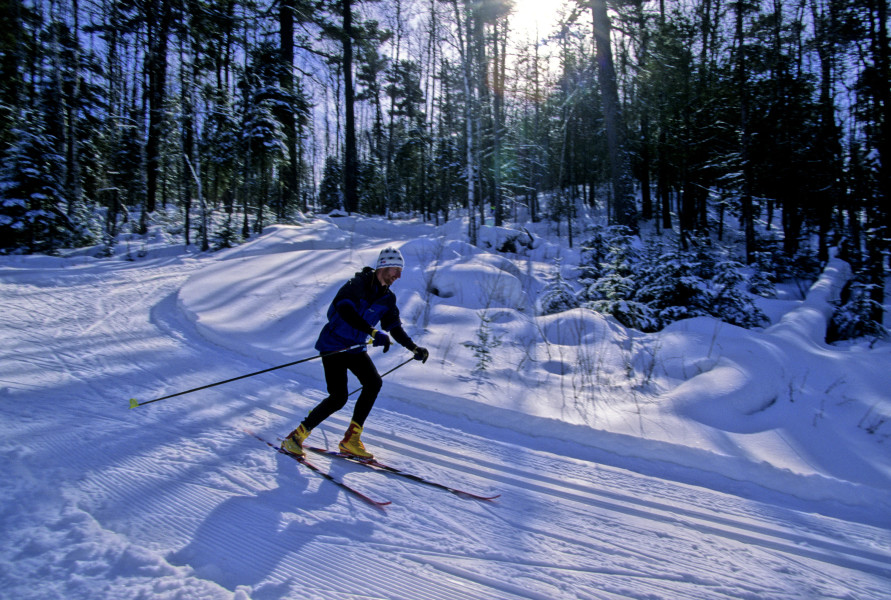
(244, 538)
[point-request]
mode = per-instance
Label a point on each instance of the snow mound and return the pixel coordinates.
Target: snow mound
(478, 283)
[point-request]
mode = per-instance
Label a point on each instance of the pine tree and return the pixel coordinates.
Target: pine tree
(856, 318)
(672, 289)
(730, 302)
(614, 291)
(30, 193)
(262, 133)
(330, 190)
(485, 342)
(558, 295)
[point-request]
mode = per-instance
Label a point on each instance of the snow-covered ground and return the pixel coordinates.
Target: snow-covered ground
(704, 461)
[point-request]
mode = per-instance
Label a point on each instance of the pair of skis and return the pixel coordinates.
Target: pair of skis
(372, 464)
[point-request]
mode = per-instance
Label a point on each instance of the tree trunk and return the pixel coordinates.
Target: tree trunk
(464, 29)
(878, 253)
(625, 213)
(498, 76)
(350, 160)
(290, 177)
(748, 215)
(159, 17)
(73, 189)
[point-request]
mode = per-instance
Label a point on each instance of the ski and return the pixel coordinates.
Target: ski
(302, 460)
(374, 464)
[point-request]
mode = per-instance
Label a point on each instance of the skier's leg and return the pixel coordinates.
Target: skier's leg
(363, 368)
(335, 366)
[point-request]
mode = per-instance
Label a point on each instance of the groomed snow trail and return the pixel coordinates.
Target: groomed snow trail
(173, 500)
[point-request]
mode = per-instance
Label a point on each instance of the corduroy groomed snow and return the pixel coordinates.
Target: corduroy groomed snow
(390, 257)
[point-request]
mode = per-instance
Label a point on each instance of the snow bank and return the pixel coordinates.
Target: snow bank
(743, 404)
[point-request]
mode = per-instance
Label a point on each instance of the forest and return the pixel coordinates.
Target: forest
(768, 117)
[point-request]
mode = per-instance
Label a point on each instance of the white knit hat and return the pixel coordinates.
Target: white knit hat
(390, 257)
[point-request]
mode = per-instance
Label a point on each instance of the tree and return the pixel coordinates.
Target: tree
(30, 190)
(262, 135)
(17, 21)
(856, 317)
(158, 18)
(370, 75)
(407, 133)
(625, 210)
(350, 157)
(331, 188)
(558, 295)
(671, 286)
(482, 348)
(611, 264)
(741, 8)
(464, 27)
(292, 114)
(874, 89)
(730, 302)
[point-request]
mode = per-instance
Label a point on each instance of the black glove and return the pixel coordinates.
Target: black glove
(379, 338)
(421, 354)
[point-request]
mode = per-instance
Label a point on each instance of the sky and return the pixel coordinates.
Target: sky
(531, 17)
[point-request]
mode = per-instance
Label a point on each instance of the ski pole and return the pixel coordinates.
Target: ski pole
(134, 403)
(385, 374)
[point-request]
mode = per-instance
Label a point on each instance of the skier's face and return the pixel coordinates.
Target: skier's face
(388, 275)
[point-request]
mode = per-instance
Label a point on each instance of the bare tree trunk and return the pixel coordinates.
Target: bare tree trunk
(498, 76)
(464, 34)
(350, 161)
(748, 215)
(73, 190)
(625, 212)
(159, 18)
(290, 178)
(878, 253)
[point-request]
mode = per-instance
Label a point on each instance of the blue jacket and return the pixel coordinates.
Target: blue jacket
(357, 308)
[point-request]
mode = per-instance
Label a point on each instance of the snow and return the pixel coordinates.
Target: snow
(702, 461)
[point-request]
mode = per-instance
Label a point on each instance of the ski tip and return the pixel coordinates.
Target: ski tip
(133, 403)
(476, 496)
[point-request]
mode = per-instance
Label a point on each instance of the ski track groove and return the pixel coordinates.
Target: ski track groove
(806, 551)
(789, 542)
(184, 516)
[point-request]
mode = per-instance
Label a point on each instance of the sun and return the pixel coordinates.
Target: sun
(535, 18)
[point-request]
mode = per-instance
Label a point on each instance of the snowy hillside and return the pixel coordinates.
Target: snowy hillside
(703, 461)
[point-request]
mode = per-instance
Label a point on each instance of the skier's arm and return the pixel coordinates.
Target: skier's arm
(403, 338)
(347, 311)
(391, 323)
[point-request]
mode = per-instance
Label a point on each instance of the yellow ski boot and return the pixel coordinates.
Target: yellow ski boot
(293, 444)
(351, 444)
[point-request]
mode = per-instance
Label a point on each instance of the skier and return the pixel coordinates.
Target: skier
(363, 302)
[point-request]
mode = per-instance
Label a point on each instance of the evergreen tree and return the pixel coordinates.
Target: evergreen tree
(331, 190)
(672, 289)
(558, 295)
(761, 283)
(31, 192)
(485, 342)
(730, 302)
(262, 134)
(614, 291)
(856, 317)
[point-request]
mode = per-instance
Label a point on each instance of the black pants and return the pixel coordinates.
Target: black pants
(336, 367)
